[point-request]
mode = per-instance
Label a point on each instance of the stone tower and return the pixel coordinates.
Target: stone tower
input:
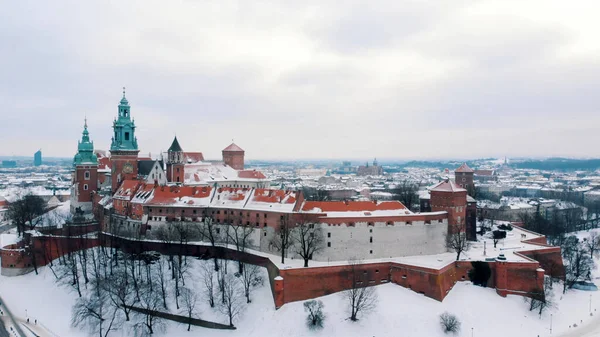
(449, 197)
(463, 176)
(175, 162)
(233, 156)
(85, 174)
(123, 149)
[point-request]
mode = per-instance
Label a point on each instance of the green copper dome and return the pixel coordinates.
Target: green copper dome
(85, 149)
(124, 129)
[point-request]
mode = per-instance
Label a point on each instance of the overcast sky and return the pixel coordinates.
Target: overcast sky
(305, 79)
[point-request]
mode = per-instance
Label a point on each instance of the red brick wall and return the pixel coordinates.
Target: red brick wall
(305, 283)
(117, 162)
(92, 182)
(234, 159)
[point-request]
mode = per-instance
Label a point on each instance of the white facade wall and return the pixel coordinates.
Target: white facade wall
(382, 241)
(342, 242)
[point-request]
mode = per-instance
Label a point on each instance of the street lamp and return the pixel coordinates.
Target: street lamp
(25, 313)
(550, 323)
(471, 332)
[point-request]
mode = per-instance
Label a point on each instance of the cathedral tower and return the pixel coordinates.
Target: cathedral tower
(123, 149)
(175, 162)
(85, 174)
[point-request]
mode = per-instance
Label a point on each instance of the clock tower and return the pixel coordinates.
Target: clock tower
(123, 149)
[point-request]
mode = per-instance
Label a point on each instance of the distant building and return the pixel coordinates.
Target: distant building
(9, 163)
(37, 158)
(367, 170)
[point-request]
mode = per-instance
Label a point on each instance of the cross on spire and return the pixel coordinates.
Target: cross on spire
(123, 92)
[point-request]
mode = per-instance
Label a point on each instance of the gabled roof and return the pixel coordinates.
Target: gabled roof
(193, 157)
(484, 172)
(251, 174)
(447, 186)
(145, 166)
(464, 168)
(127, 189)
(233, 148)
(175, 147)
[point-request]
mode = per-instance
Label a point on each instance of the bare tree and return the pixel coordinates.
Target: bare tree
(497, 236)
(308, 239)
(190, 303)
(121, 291)
(282, 240)
(361, 298)
(96, 314)
(449, 323)
(541, 299)
(240, 236)
(457, 241)
(250, 278)
(233, 305)
(147, 320)
(208, 283)
(577, 261)
(210, 232)
(406, 192)
(161, 279)
(315, 317)
(592, 243)
(26, 212)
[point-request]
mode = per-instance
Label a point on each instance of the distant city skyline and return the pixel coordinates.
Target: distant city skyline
(308, 80)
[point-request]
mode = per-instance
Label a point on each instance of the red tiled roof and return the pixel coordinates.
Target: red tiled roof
(169, 194)
(484, 172)
(447, 186)
(233, 148)
(464, 168)
(352, 206)
(251, 174)
(193, 157)
(128, 188)
(273, 196)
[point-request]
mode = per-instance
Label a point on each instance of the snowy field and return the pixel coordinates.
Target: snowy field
(400, 312)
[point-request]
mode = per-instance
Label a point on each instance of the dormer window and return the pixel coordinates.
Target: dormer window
(86, 175)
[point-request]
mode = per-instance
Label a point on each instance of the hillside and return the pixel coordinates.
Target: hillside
(400, 311)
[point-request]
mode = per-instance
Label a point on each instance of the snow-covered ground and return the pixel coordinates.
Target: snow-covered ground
(400, 312)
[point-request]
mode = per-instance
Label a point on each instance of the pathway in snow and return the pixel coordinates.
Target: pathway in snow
(589, 330)
(12, 327)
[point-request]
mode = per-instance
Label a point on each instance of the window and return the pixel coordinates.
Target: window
(177, 179)
(265, 215)
(265, 233)
(218, 230)
(85, 188)
(377, 270)
(328, 235)
(126, 135)
(371, 230)
(265, 224)
(463, 179)
(87, 175)
(370, 252)
(194, 211)
(371, 239)
(328, 244)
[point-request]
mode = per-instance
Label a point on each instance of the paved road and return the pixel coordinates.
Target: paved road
(3, 332)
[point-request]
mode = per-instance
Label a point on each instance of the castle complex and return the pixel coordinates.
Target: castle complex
(123, 196)
(183, 187)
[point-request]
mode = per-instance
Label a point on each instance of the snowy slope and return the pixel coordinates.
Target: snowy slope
(400, 312)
